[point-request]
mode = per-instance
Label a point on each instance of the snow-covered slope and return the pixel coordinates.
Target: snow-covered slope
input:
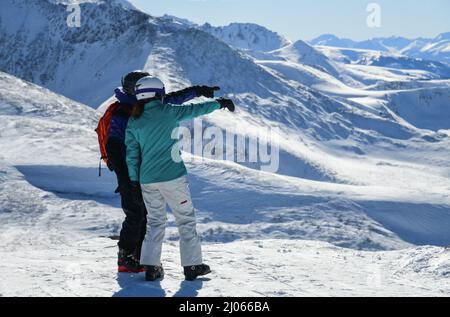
(56, 216)
(427, 108)
(322, 137)
(37, 45)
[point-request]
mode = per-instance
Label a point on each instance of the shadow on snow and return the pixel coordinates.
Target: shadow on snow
(419, 224)
(134, 285)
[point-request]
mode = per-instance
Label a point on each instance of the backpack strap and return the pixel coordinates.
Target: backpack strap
(100, 167)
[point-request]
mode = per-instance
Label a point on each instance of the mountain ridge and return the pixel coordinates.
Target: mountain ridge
(416, 48)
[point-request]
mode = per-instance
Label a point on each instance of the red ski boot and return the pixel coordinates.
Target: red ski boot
(128, 263)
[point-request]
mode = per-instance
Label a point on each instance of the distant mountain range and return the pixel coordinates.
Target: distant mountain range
(255, 38)
(437, 48)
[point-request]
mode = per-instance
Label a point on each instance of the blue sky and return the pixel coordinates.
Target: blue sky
(305, 19)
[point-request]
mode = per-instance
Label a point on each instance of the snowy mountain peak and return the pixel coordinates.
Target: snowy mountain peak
(331, 40)
(303, 53)
(443, 36)
(324, 39)
(303, 46)
(123, 3)
(247, 36)
(177, 20)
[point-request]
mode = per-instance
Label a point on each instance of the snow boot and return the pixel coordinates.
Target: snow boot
(192, 272)
(153, 273)
(128, 263)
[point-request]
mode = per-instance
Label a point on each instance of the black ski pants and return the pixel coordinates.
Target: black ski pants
(134, 226)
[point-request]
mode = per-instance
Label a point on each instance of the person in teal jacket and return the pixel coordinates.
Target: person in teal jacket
(153, 166)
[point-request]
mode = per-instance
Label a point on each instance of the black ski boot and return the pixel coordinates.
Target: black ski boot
(128, 263)
(153, 273)
(192, 272)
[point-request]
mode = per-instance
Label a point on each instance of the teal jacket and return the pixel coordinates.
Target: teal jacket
(150, 144)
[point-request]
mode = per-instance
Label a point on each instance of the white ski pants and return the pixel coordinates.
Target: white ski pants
(177, 195)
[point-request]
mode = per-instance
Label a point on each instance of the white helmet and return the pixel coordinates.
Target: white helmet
(148, 87)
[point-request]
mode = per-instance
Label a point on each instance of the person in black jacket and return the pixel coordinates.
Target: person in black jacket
(133, 229)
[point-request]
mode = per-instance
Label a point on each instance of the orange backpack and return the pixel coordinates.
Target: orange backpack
(103, 131)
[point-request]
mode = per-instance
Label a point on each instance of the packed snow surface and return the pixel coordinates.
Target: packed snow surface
(264, 234)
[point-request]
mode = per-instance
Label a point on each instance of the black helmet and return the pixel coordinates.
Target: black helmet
(129, 81)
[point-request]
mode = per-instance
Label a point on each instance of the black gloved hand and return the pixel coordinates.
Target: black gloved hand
(136, 193)
(227, 103)
(206, 91)
(123, 188)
